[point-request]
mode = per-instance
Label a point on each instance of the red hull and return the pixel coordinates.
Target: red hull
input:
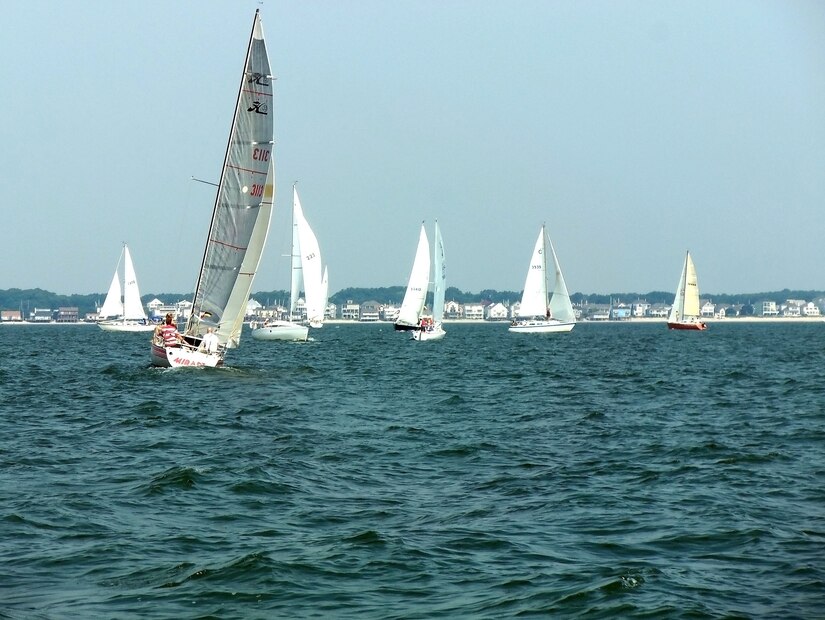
(698, 327)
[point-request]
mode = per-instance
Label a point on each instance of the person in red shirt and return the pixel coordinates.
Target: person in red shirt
(168, 332)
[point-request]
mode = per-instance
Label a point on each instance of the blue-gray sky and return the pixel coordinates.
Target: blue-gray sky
(635, 129)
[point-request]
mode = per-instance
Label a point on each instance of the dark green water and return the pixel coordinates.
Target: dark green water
(617, 471)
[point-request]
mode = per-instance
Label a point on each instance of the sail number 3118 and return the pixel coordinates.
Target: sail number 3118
(260, 154)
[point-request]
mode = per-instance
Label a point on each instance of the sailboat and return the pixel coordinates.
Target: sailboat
(307, 274)
(684, 314)
(540, 313)
(412, 307)
(431, 328)
(124, 314)
(239, 224)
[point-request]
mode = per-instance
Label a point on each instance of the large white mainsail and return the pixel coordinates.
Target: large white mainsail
(132, 306)
(311, 266)
(416, 292)
(534, 297)
(219, 300)
(296, 274)
(691, 288)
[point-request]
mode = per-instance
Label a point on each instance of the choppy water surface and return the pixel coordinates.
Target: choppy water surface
(617, 471)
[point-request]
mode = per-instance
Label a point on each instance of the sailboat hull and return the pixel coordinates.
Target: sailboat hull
(403, 327)
(184, 357)
(434, 333)
(125, 326)
(541, 327)
(696, 326)
(281, 330)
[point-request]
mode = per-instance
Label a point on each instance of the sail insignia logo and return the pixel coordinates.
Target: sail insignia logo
(258, 78)
(259, 107)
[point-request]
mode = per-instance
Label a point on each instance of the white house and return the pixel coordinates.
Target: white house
(389, 312)
(708, 309)
(369, 311)
(350, 310)
(180, 310)
(769, 308)
(811, 309)
(252, 307)
(474, 312)
(496, 312)
(640, 308)
(453, 310)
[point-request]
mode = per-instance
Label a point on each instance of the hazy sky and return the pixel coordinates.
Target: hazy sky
(634, 129)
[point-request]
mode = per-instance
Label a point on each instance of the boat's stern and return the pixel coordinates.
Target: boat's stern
(184, 357)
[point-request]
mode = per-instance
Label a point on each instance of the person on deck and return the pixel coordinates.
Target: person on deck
(210, 341)
(168, 332)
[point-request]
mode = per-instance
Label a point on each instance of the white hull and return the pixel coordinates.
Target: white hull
(281, 330)
(184, 357)
(125, 326)
(436, 333)
(541, 327)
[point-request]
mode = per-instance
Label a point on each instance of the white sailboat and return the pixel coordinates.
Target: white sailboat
(684, 314)
(122, 310)
(431, 328)
(240, 220)
(307, 274)
(540, 313)
(412, 307)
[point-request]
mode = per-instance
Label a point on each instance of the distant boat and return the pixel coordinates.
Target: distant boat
(240, 220)
(122, 310)
(431, 328)
(540, 313)
(684, 314)
(412, 307)
(307, 274)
